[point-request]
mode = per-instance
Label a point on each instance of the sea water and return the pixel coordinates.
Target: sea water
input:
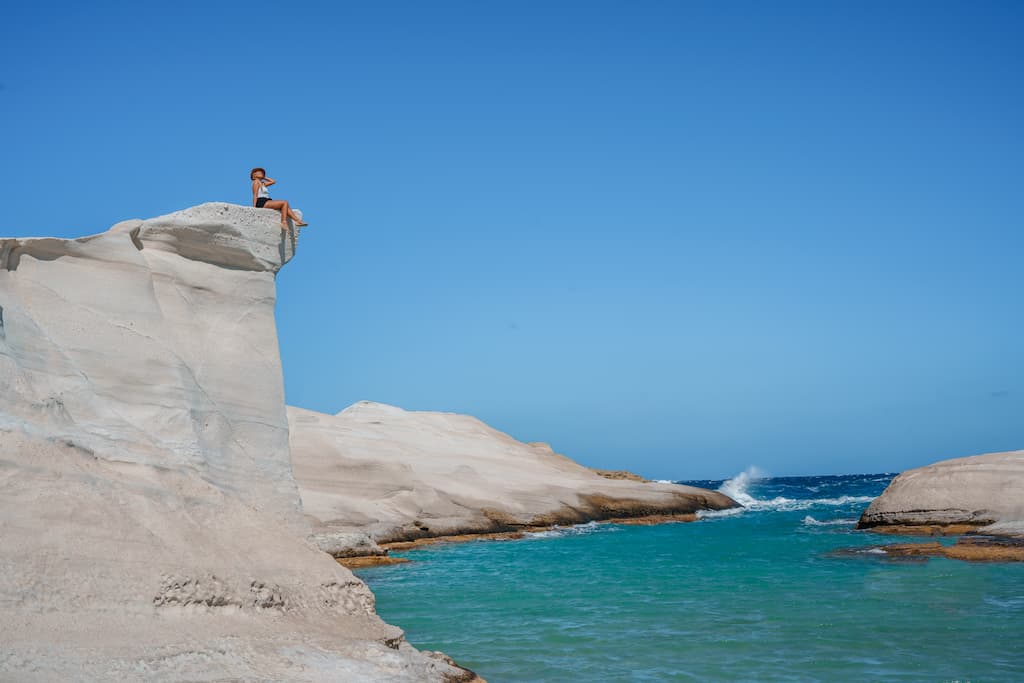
(759, 594)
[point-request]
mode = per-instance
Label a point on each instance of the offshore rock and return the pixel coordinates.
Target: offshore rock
(150, 525)
(983, 491)
(394, 475)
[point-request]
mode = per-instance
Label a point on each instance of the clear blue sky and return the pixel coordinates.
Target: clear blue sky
(679, 238)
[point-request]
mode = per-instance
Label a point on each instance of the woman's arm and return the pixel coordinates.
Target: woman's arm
(255, 191)
(267, 182)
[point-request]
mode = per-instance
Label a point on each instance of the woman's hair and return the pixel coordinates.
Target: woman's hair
(252, 173)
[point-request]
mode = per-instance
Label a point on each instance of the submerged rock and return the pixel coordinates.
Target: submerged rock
(397, 475)
(967, 549)
(150, 525)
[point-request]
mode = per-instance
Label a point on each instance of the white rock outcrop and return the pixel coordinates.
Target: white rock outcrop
(375, 473)
(150, 525)
(982, 490)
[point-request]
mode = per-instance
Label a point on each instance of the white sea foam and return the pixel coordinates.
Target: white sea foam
(811, 521)
(790, 504)
(738, 487)
(575, 530)
(712, 514)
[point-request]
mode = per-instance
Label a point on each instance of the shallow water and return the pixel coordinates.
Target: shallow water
(748, 596)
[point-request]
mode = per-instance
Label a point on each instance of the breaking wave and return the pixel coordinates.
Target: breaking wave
(744, 487)
(811, 521)
(713, 514)
(736, 488)
(575, 530)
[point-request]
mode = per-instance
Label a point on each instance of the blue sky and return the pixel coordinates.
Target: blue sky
(679, 238)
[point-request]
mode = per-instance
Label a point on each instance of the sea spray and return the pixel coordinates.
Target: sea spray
(743, 486)
(737, 487)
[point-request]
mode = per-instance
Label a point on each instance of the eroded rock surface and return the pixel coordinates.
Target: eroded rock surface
(983, 491)
(384, 474)
(150, 525)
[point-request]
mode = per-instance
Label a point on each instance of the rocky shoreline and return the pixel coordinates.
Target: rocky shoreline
(375, 474)
(977, 499)
(363, 561)
(150, 525)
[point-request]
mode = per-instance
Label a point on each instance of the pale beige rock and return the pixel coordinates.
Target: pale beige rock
(150, 526)
(392, 474)
(979, 490)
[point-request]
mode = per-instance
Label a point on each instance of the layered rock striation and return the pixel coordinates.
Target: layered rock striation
(150, 525)
(984, 492)
(375, 474)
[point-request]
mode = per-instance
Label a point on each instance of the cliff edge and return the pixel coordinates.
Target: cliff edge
(150, 525)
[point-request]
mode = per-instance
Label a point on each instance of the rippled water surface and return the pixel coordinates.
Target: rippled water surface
(749, 596)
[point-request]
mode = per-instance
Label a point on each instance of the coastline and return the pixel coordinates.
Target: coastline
(975, 498)
(374, 475)
(788, 562)
(364, 561)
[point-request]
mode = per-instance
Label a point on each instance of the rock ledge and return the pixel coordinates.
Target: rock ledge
(375, 474)
(981, 491)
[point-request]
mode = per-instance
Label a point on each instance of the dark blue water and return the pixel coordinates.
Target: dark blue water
(756, 595)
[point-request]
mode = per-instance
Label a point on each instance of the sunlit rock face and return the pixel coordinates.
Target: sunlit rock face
(986, 491)
(150, 525)
(154, 344)
(375, 473)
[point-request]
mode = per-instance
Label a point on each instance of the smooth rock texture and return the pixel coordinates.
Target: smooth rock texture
(164, 355)
(150, 525)
(986, 491)
(389, 474)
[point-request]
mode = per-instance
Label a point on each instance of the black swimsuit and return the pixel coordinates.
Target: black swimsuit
(260, 201)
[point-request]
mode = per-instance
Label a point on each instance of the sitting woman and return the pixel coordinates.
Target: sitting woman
(261, 198)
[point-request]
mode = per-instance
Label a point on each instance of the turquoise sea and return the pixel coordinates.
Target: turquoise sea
(756, 595)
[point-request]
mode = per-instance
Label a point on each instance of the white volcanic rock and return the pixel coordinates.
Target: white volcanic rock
(150, 526)
(164, 355)
(391, 474)
(980, 490)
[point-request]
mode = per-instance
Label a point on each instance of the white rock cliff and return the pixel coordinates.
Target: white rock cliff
(986, 491)
(150, 525)
(375, 473)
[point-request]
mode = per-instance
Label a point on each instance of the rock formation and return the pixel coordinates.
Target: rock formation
(375, 473)
(983, 491)
(150, 525)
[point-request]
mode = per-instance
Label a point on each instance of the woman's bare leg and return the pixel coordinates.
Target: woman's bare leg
(291, 214)
(294, 217)
(280, 205)
(286, 211)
